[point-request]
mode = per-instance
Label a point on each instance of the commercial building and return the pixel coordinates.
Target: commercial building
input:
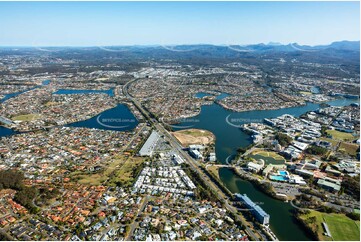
(148, 147)
(196, 154)
(254, 167)
(327, 185)
(256, 210)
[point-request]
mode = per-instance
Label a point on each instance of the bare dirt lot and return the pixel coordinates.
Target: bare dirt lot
(194, 136)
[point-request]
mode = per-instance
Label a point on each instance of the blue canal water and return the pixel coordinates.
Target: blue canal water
(6, 132)
(119, 118)
(315, 90)
(202, 95)
(224, 124)
(110, 92)
(7, 96)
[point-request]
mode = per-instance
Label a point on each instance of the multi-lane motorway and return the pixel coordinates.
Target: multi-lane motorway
(193, 164)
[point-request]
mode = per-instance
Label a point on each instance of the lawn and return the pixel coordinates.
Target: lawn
(99, 178)
(114, 164)
(214, 170)
(341, 227)
(92, 180)
(26, 117)
(340, 135)
(269, 157)
(332, 141)
(48, 104)
(348, 148)
(125, 173)
(306, 93)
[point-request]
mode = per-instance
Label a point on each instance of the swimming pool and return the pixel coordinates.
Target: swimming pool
(278, 178)
(283, 173)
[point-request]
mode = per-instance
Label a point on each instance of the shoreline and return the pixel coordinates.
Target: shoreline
(176, 120)
(259, 185)
(17, 131)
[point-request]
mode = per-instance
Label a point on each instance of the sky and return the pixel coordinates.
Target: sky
(168, 23)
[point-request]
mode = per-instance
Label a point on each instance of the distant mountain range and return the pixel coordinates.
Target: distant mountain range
(271, 46)
(274, 46)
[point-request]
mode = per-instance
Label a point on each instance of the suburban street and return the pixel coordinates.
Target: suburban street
(175, 144)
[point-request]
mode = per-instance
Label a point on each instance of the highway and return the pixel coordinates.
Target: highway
(193, 164)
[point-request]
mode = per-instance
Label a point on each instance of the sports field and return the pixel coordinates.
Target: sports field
(342, 228)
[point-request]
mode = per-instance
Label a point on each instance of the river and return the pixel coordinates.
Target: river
(110, 92)
(224, 124)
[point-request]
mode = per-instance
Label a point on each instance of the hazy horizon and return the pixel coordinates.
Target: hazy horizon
(159, 45)
(86, 24)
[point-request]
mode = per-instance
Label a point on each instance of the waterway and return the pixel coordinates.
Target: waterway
(204, 94)
(10, 95)
(110, 92)
(119, 118)
(315, 90)
(282, 222)
(5, 131)
(224, 124)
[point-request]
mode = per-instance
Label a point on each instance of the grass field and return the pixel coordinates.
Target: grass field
(114, 164)
(338, 135)
(341, 227)
(125, 172)
(214, 170)
(91, 180)
(26, 117)
(332, 141)
(269, 157)
(48, 104)
(306, 93)
(99, 178)
(348, 148)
